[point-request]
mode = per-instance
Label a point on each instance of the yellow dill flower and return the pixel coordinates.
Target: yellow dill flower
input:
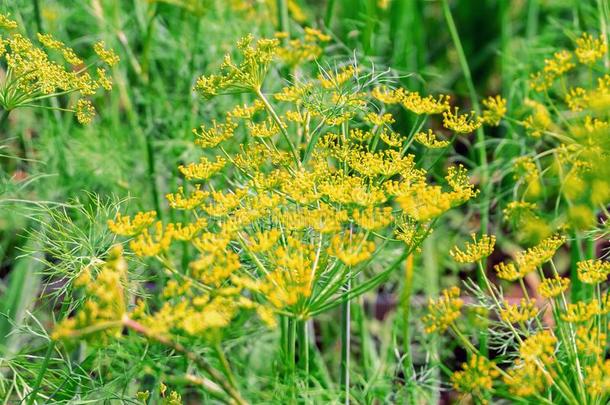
(554, 67)
(391, 138)
(430, 140)
(581, 311)
(476, 251)
(246, 112)
(107, 55)
(350, 251)
(211, 137)
(373, 218)
(7, 23)
(179, 200)
(577, 99)
(313, 34)
(462, 124)
(539, 121)
(68, 53)
(147, 245)
(526, 171)
(536, 256)
(202, 170)
(457, 178)
(84, 111)
(215, 267)
(379, 120)
(417, 104)
(360, 135)
(223, 203)
(443, 311)
(590, 341)
(508, 271)
(337, 120)
(293, 93)
(188, 231)
(593, 271)
(329, 80)
(263, 241)
(525, 379)
(247, 75)
(352, 190)
(124, 225)
(298, 51)
(539, 347)
(423, 202)
(495, 110)
(518, 210)
(552, 287)
(589, 50)
(388, 96)
(33, 75)
(211, 242)
(105, 301)
(103, 79)
(264, 129)
(476, 376)
(598, 377)
(523, 312)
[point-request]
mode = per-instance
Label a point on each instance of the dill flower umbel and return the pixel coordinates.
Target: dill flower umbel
(105, 304)
(442, 312)
(593, 271)
(522, 312)
(539, 347)
(475, 251)
(553, 287)
(476, 376)
(50, 68)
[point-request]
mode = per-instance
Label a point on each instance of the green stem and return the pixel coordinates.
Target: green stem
(37, 15)
(43, 368)
(330, 11)
(283, 19)
(406, 311)
(225, 364)
(303, 341)
(345, 343)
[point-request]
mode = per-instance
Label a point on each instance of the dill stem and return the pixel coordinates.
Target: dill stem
(303, 342)
(195, 358)
(345, 342)
(406, 313)
(37, 15)
(41, 373)
(292, 329)
(47, 357)
(225, 364)
(283, 19)
(330, 11)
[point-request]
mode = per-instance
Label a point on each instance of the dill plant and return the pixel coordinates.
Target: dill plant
(320, 189)
(562, 180)
(562, 361)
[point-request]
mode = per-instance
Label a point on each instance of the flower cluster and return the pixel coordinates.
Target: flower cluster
(50, 68)
(544, 354)
(319, 185)
(566, 119)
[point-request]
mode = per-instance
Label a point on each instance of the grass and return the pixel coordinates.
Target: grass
(60, 182)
